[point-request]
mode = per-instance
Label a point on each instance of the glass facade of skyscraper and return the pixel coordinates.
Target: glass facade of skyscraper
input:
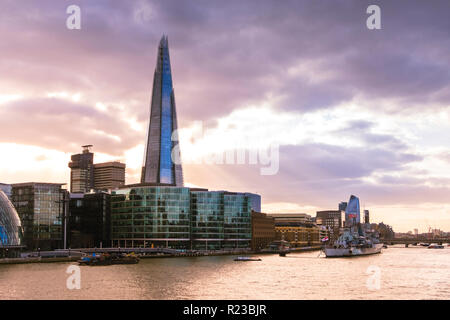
(352, 212)
(180, 218)
(165, 173)
(159, 167)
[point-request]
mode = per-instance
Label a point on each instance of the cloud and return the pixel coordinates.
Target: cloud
(65, 125)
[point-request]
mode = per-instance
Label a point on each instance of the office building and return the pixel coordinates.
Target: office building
(90, 220)
(342, 206)
(255, 201)
(366, 216)
(82, 171)
(85, 176)
(41, 208)
(159, 166)
(237, 220)
(263, 230)
(179, 217)
(331, 220)
(207, 219)
(296, 228)
(298, 235)
(291, 218)
(109, 175)
(352, 212)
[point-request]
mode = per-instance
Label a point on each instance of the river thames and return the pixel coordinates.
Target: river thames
(403, 273)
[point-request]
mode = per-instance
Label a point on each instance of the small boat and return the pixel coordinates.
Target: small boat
(435, 246)
(247, 259)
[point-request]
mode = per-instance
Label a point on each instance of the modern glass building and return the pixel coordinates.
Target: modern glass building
(255, 201)
(237, 220)
(41, 208)
(159, 166)
(151, 216)
(179, 217)
(352, 212)
(89, 220)
(207, 216)
(10, 226)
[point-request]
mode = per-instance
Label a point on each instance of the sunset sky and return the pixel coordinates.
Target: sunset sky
(354, 111)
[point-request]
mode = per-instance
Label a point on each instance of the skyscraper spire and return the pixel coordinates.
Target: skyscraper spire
(159, 166)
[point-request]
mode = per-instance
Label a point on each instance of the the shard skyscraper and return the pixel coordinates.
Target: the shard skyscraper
(159, 167)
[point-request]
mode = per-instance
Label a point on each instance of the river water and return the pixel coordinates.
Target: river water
(397, 273)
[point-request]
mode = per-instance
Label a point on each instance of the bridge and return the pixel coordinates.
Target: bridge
(415, 241)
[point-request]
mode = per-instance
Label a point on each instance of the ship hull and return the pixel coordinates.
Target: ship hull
(352, 252)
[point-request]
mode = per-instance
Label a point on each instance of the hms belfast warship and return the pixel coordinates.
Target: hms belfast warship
(356, 239)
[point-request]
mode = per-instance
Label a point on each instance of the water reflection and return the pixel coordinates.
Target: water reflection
(406, 273)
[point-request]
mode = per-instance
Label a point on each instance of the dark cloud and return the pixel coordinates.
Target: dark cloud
(226, 54)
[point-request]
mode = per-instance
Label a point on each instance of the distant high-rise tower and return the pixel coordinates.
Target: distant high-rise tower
(82, 171)
(109, 175)
(352, 212)
(159, 167)
(366, 216)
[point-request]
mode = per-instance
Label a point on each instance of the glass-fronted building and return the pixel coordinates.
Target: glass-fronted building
(151, 217)
(207, 216)
(255, 201)
(237, 220)
(353, 212)
(41, 209)
(10, 226)
(179, 217)
(89, 222)
(159, 167)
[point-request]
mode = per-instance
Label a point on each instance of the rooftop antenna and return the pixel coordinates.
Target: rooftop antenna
(87, 148)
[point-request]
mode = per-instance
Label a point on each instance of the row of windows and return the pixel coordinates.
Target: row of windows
(146, 190)
(182, 229)
(150, 203)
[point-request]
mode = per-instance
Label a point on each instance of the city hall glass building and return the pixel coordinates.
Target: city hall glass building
(10, 226)
(180, 218)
